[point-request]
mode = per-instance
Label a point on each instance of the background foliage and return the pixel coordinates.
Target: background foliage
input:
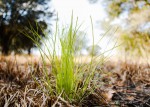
(134, 23)
(18, 15)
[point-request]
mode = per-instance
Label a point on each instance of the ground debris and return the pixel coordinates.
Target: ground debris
(118, 85)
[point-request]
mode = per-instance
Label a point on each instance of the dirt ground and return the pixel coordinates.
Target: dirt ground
(121, 82)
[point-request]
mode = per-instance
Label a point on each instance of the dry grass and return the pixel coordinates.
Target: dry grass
(19, 89)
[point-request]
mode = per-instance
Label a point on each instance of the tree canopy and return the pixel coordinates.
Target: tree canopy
(135, 22)
(19, 15)
(135, 34)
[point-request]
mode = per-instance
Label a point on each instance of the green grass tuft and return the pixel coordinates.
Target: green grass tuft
(68, 80)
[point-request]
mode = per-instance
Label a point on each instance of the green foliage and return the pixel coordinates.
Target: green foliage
(135, 27)
(68, 80)
(14, 15)
(117, 7)
(136, 43)
(80, 43)
(94, 52)
(65, 77)
(68, 75)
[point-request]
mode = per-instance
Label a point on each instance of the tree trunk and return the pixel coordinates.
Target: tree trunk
(5, 45)
(29, 51)
(4, 40)
(5, 49)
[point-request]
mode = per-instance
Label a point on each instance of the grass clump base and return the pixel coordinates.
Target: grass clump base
(68, 80)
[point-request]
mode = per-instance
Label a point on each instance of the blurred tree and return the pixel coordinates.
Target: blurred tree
(117, 7)
(135, 31)
(80, 43)
(94, 50)
(18, 15)
(134, 21)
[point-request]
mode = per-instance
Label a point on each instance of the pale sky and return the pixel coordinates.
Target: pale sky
(83, 10)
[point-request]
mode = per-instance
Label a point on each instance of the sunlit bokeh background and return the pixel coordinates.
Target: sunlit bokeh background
(123, 24)
(83, 10)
